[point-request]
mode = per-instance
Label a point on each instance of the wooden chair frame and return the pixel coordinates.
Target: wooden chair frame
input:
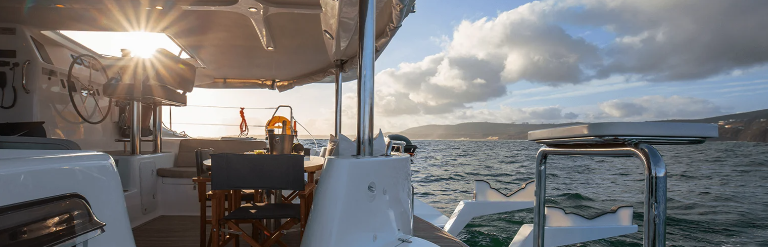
(203, 197)
(223, 237)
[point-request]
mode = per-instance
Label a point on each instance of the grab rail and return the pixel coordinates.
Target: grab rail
(24, 76)
(655, 202)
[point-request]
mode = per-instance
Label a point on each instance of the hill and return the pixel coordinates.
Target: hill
(759, 114)
(746, 126)
(476, 130)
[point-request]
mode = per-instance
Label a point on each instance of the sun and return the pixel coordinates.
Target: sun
(141, 44)
(144, 44)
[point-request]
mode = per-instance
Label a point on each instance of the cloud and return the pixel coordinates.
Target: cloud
(570, 115)
(549, 113)
(509, 114)
(656, 41)
(481, 58)
(593, 87)
(678, 40)
(658, 107)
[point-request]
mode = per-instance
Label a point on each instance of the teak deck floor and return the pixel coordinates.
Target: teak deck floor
(172, 231)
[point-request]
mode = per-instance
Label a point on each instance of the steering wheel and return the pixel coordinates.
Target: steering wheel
(88, 92)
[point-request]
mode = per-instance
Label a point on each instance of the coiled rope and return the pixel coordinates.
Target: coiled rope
(243, 123)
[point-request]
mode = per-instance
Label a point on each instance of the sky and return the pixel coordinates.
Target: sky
(537, 62)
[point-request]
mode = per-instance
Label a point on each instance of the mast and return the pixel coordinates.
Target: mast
(367, 53)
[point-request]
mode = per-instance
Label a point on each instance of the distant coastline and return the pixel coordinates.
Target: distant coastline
(747, 127)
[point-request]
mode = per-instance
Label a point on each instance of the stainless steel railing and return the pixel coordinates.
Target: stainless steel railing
(655, 202)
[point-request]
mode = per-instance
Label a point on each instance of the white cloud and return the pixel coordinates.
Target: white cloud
(546, 114)
(481, 58)
(677, 40)
(751, 88)
(593, 87)
(658, 108)
(655, 41)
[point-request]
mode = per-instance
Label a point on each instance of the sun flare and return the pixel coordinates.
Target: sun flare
(141, 44)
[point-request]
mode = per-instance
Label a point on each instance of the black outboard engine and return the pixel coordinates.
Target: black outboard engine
(409, 148)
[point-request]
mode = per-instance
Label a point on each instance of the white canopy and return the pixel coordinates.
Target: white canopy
(239, 43)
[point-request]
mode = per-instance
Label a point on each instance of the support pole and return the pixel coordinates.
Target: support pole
(655, 203)
(337, 130)
(157, 114)
(136, 127)
(135, 112)
(539, 202)
(367, 58)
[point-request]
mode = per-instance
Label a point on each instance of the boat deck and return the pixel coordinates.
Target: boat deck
(172, 231)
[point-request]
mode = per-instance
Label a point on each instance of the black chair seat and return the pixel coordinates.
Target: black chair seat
(266, 211)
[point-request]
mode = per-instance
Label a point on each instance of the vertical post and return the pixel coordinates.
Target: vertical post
(367, 58)
(337, 130)
(157, 114)
(136, 126)
(538, 204)
(409, 231)
(655, 202)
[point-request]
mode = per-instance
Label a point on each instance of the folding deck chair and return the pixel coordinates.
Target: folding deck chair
(235, 172)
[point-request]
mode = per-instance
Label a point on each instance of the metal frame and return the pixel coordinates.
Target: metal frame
(339, 96)
(292, 120)
(625, 140)
(365, 93)
(157, 114)
(136, 125)
(655, 202)
(185, 50)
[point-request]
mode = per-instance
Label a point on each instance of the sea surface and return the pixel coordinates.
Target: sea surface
(717, 191)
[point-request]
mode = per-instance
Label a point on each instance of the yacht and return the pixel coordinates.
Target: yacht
(86, 161)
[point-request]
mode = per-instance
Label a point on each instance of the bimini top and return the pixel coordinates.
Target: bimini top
(274, 44)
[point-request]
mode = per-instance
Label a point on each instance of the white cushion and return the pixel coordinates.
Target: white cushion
(627, 129)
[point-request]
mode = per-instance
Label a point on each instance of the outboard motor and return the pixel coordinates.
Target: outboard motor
(409, 148)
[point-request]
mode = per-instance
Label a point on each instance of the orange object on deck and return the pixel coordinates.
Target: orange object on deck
(243, 123)
(276, 123)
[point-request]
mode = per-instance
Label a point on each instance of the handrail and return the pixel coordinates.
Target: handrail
(293, 130)
(24, 77)
(399, 144)
(655, 202)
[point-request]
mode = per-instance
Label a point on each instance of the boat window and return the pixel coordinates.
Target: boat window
(141, 44)
(52, 221)
(41, 51)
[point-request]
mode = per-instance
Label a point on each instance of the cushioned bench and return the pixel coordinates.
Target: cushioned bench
(184, 166)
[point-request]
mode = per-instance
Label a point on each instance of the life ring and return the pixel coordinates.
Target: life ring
(276, 123)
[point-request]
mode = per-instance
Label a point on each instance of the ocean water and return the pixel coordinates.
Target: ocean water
(717, 191)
